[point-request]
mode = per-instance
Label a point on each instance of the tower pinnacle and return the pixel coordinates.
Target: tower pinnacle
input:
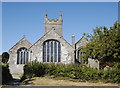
(60, 14)
(46, 14)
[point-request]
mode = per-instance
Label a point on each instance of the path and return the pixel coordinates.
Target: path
(62, 82)
(15, 81)
(43, 82)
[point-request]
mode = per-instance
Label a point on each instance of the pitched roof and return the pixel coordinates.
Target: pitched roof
(20, 41)
(81, 39)
(47, 33)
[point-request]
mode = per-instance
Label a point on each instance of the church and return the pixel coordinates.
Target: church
(50, 48)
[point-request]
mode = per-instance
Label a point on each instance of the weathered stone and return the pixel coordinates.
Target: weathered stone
(53, 31)
(13, 66)
(93, 63)
(78, 46)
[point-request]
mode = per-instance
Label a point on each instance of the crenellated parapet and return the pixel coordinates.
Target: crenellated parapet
(53, 23)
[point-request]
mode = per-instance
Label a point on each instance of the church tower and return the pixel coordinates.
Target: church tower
(55, 24)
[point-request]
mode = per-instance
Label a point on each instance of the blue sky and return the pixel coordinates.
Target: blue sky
(26, 18)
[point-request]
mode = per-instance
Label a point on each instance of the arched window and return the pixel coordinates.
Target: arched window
(51, 51)
(80, 54)
(22, 55)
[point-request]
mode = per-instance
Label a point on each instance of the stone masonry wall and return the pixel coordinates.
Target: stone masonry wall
(13, 66)
(66, 49)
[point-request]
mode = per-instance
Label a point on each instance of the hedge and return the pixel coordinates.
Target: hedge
(74, 71)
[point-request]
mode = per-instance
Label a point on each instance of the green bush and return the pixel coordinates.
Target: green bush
(6, 76)
(34, 69)
(5, 57)
(112, 75)
(74, 71)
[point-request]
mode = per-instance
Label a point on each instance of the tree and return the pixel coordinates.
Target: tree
(104, 44)
(5, 57)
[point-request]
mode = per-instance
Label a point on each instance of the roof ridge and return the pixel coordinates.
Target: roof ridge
(46, 34)
(81, 39)
(64, 39)
(40, 38)
(19, 41)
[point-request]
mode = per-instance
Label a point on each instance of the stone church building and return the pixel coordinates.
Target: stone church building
(50, 48)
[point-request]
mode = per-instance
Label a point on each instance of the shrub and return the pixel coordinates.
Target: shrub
(6, 76)
(51, 69)
(59, 71)
(5, 57)
(113, 74)
(74, 71)
(34, 69)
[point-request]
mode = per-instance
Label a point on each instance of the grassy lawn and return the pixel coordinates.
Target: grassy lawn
(50, 81)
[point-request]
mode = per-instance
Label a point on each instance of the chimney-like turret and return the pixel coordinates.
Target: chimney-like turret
(73, 39)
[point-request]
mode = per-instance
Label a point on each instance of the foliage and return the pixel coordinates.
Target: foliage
(74, 71)
(6, 76)
(5, 57)
(112, 75)
(104, 44)
(34, 69)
